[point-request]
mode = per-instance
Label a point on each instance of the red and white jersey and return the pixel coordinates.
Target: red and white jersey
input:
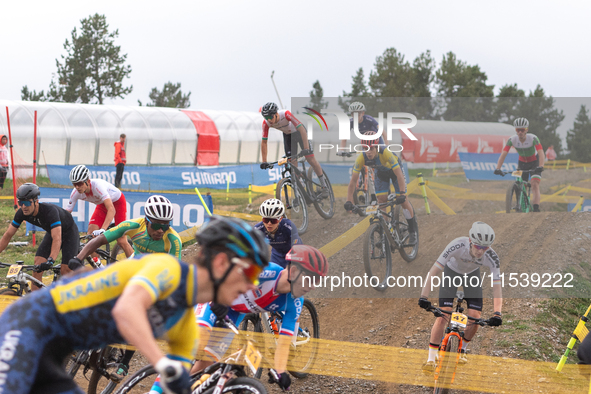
(100, 190)
(286, 123)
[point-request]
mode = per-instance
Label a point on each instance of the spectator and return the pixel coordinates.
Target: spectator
(3, 160)
(551, 153)
(120, 159)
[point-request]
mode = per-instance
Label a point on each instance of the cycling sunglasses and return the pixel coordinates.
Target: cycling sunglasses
(158, 226)
(26, 203)
(251, 271)
(481, 247)
(78, 184)
(270, 220)
(521, 130)
(269, 117)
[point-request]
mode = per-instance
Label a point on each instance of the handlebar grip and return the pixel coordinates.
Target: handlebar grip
(169, 372)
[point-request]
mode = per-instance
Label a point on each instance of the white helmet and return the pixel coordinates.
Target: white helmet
(521, 123)
(79, 174)
(159, 208)
(272, 208)
(356, 107)
(482, 234)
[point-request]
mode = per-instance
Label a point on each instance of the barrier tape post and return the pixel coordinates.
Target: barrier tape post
(228, 189)
(579, 333)
(434, 169)
(568, 164)
(578, 207)
(553, 165)
(203, 202)
(424, 192)
(250, 193)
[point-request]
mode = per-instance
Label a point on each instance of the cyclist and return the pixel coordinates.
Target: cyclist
(293, 131)
(527, 146)
(151, 234)
(365, 122)
(134, 301)
(279, 290)
(462, 258)
(110, 203)
(386, 169)
(280, 231)
(61, 232)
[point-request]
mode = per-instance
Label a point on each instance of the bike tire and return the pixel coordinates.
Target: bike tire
(252, 322)
(98, 383)
(73, 365)
(8, 292)
(295, 206)
(409, 253)
(142, 379)
(376, 244)
(512, 199)
(117, 250)
(325, 206)
(309, 320)
(241, 385)
(442, 384)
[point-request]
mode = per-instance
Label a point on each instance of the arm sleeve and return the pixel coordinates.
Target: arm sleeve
(265, 130)
(183, 339)
(72, 201)
(537, 144)
(494, 265)
(120, 230)
(53, 216)
(175, 246)
(18, 218)
(292, 314)
(160, 276)
(508, 145)
(292, 119)
(375, 126)
(359, 163)
(389, 160)
(102, 191)
(450, 250)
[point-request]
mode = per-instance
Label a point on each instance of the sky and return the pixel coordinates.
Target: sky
(223, 52)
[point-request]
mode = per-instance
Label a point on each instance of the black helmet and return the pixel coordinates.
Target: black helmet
(28, 191)
(236, 236)
(269, 109)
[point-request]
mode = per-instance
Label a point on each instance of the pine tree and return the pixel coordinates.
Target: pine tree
(578, 139)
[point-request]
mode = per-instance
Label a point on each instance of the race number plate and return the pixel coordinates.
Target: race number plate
(253, 357)
(371, 209)
(282, 161)
(13, 270)
(517, 173)
(460, 319)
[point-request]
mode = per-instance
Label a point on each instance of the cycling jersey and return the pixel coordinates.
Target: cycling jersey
(287, 124)
(100, 190)
(367, 124)
(75, 313)
(263, 298)
(526, 150)
(142, 242)
(282, 240)
(457, 257)
(48, 217)
(382, 159)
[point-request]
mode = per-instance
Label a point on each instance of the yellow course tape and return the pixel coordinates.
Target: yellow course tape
(346, 238)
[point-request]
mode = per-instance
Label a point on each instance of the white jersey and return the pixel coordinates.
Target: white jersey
(457, 257)
(100, 190)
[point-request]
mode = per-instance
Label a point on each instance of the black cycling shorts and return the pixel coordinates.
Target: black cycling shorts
(472, 295)
(70, 244)
(291, 142)
(532, 165)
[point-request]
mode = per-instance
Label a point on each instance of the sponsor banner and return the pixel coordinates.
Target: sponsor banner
(586, 207)
(481, 166)
(443, 148)
(188, 210)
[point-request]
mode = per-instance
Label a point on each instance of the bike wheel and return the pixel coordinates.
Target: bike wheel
(252, 322)
(108, 361)
(142, 380)
(241, 385)
(303, 356)
(377, 257)
(295, 206)
(408, 252)
(8, 292)
(325, 206)
(76, 361)
(512, 199)
(448, 366)
(118, 250)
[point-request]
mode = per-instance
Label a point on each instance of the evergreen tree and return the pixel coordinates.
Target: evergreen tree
(27, 95)
(170, 96)
(358, 89)
(578, 139)
(316, 97)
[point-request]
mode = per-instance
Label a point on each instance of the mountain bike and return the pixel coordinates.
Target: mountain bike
(297, 189)
(518, 194)
(387, 233)
(451, 345)
(224, 376)
(18, 279)
(365, 190)
(103, 254)
(302, 348)
(104, 365)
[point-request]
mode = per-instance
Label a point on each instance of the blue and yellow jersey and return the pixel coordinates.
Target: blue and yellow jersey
(383, 159)
(84, 302)
(142, 242)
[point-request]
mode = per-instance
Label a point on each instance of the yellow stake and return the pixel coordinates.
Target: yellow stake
(203, 202)
(567, 164)
(228, 188)
(424, 191)
(250, 193)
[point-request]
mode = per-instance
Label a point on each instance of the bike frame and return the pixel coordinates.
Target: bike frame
(525, 195)
(380, 217)
(299, 176)
(22, 278)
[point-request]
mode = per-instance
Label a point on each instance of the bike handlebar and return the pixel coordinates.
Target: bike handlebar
(503, 173)
(439, 313)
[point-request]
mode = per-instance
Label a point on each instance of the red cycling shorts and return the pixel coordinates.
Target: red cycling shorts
(100, 212)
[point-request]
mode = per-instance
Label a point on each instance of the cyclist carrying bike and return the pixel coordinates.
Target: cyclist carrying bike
(110, 203)
(462, 258)
(527, 146)
(293, 132)
(386, 168)
(279, 290)
(365, 123)
(280, 231)
(61, 232)
(134, 301)
(151, 234)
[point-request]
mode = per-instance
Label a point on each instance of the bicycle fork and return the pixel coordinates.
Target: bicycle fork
(443, 354)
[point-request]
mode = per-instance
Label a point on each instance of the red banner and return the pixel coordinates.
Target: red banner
(442, 148)
(208, 143)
